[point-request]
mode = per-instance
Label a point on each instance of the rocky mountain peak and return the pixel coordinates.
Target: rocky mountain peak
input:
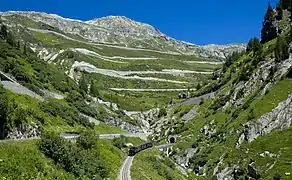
(122, 23)
(126, 32)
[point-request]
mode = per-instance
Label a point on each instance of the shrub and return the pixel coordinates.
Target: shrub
(85, 164)
(68, 113)
(202, 101)
(87, 140)
(120, 142)
(162, 113)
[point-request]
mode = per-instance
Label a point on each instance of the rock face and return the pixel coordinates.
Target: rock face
(279, 118)
(257, 80)
(225, 174)
(124, 32)
(144, 118)
(123, 125)
(25, 131)
(190, 115)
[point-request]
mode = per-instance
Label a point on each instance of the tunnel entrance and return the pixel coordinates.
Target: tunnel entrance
(172, 140)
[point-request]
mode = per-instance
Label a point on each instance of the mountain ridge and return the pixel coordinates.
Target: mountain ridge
(126, 32)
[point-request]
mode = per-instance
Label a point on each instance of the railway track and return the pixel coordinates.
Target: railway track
(125, 172)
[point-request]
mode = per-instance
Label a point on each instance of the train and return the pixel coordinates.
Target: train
(134, 150)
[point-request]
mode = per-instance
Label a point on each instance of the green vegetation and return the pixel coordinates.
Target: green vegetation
(3, 112)
(269, 31)
(70, 114)
(83, 163)
(120, 142)
(151, 164)
(281, 49)
(216, 130)
(23, 160)
(140, 101)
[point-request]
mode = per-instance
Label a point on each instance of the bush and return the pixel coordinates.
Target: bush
(68, 113)
(77, 100)
(120, 142)
(281, 49)
(199, 160)
(162, 167)
(162, 113)
(201, 101)
(84, 164)
(87, 140)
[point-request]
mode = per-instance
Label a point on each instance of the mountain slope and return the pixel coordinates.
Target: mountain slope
(244, 131)
(122, 31)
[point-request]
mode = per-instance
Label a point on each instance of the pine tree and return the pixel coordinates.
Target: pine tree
(281, 49)
(3, 112)
(279, 11)
(254, 45)
(3, 32)
(269, 31)
(257, 47)
(10, 39)
(286, 4)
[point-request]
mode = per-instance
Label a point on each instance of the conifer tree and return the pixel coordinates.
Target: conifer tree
(281, 49)
(3, 32)
(269, 31)
(279, 11)
(10, 39)
(254, 45)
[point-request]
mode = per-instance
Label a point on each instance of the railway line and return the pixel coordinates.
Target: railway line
(125, 172)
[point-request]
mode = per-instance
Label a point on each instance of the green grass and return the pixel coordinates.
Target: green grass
(23, 160)
(225, 124)
(143, 167)
(261, 105)
(278, 143)
(48, 38)
(103, 128)
(111, 155)
(138, 101)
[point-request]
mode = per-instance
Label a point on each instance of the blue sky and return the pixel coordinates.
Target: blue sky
(196, 21)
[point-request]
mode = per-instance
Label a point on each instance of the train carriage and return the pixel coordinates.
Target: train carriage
(135, 150)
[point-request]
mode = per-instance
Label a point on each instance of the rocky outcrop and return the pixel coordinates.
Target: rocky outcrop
(144, 118)
(190, 115)
(25, 131)
(280, 118)
(123, 125)
(258, 80)
(53, 95)
(226, 174)
(183, 160)
(209, 129)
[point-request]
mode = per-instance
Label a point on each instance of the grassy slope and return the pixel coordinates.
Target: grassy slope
(226, 125)
(164, 61)
(23, 160)
(219, 147)
(143, 167)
